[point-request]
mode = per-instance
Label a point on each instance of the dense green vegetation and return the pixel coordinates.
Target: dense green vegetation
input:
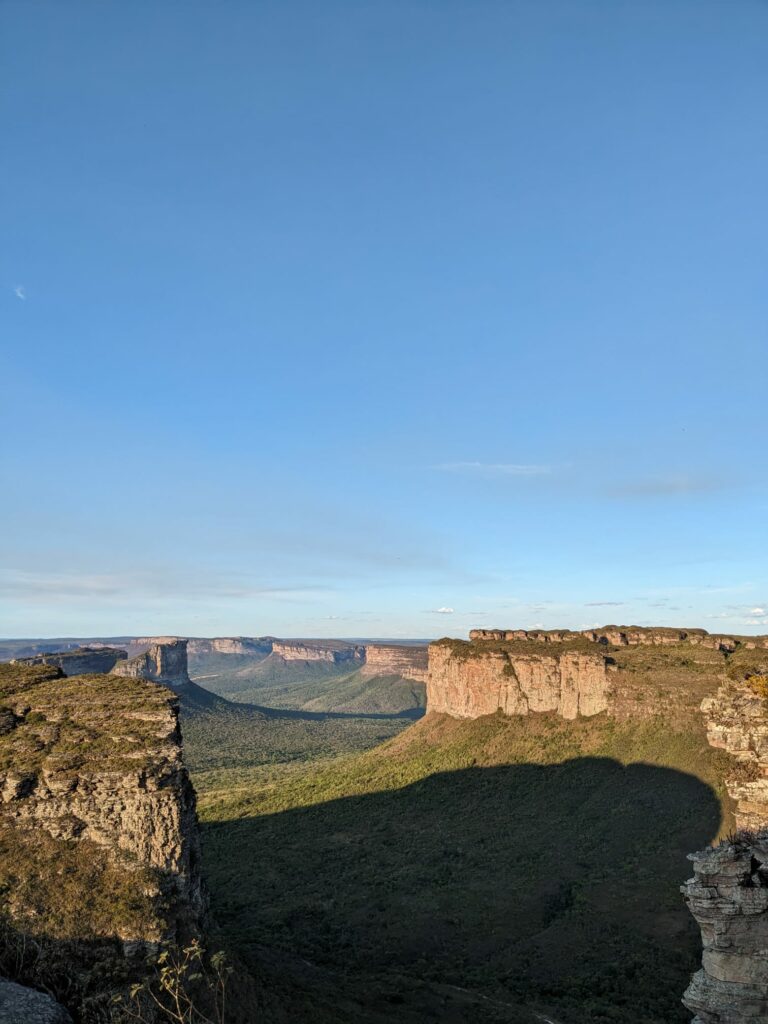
(305, 685)
(226, 741)
(528, 860)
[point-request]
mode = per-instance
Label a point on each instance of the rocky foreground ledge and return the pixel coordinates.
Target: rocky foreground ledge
(728, 896)
(95, 799)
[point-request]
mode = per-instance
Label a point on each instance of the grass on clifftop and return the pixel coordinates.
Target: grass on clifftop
(109, 723)
(529, 860)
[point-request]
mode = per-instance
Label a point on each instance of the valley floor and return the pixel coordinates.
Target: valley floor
(499, 869)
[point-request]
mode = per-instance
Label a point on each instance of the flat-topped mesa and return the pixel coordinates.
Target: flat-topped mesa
(244, 645)
(335, 653)
(623, 636)
(728, 896)
(165, 662)
(468, 683)
(395, 660)
(95, 797)
(78, 662)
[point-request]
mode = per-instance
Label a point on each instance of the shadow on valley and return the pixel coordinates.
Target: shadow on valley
(482, 894)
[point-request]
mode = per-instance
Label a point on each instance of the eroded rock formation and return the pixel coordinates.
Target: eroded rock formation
(242, 645)
(80, 661)
(623, 636)
(728, 896)
(327, 651)
(737, 721)
(396, 660)
(470, 684)
(22, 1005)
(96, 762)
(165, 662)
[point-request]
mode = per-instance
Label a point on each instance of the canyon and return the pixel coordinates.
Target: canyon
(92, 778)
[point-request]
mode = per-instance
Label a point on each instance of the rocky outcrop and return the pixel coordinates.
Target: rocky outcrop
(396, 660)
(97, 761)
(22, 1005)
(80, 661)
(737, 721)
(241, 645)
(622, 636)
(328, 651)
(468, 684)
(728, 896)
(165, 662)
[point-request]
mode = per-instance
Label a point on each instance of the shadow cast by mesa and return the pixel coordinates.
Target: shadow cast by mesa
(544, 886)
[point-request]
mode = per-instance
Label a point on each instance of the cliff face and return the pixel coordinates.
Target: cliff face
(241, 645)
(298, 650)
(737, 721)
(164, 662)
(396, 660)
(81, 661)
(728, 896)
(95, 798)
(467, 685)
(624, 636)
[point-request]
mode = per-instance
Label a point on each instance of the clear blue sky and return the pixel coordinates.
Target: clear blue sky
(383, 318)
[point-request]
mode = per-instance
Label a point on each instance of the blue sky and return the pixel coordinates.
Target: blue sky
(383, 319)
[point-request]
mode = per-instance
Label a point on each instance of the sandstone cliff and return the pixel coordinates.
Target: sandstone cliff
(728, 896)
(240, 645)
(396, 660)
(467, 683)
(96, 807)
(737, 721)
(78, 662)
(624, 636)
(337, 653)
(165, 662)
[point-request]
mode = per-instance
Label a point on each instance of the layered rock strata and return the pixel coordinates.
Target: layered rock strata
(241, 645)
(78, 662)
(570, 684)
(97, 761)
(396, 660)
(165, 662)
(297, 650)
(737, 721)
(624, 636)
(728, 896)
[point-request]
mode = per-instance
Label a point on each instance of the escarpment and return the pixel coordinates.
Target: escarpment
(165, 662)
(336, 653)
(78, 662)
(396, 660)
(467, 684)
(240, 645)
(98, 828)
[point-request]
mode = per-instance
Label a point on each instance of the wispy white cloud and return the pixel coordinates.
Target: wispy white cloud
(20, 292)
(667, 486)
(758, 611)
(604, 604)
(121, 587)
(494, 468)
(441, 611)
